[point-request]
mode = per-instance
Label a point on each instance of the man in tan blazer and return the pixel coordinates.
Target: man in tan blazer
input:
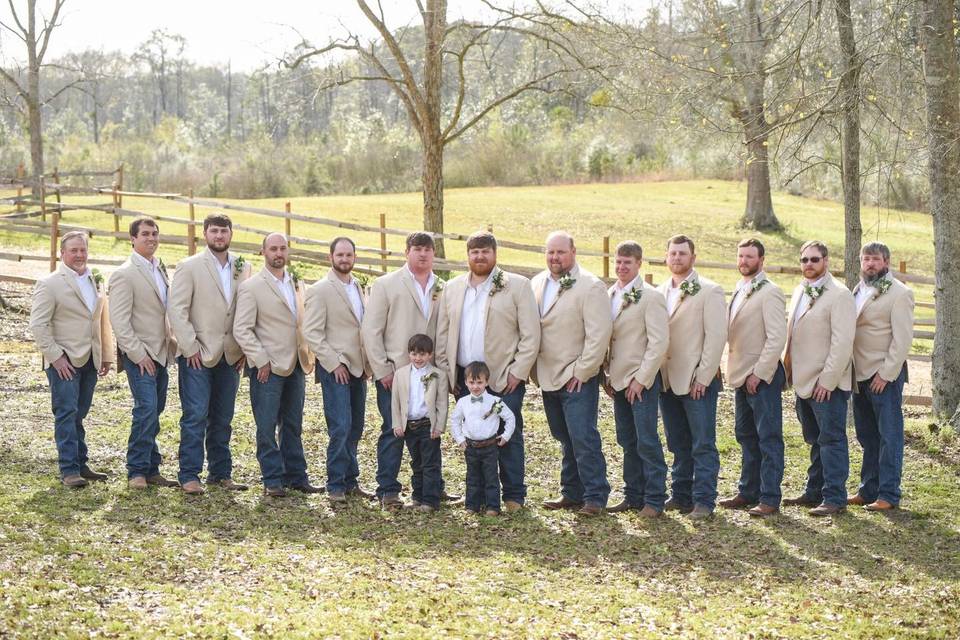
(203, 298)
(402, 304)
(756, 334)
(333, 312)
(575, 329)
(146, 346)
(691, 380)
(73, 333)
(268, 328)
(638, 346)
(880, 348)
(489, 315)
(817, 360)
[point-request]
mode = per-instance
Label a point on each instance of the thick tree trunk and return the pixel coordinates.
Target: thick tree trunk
(435, 24)
(433, 190)
(34, 116)
(850, 143)
(942, 81)
(758, 213)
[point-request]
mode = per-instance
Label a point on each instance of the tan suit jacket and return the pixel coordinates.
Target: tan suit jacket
(640, 338)
(756, 335)
(884, 333)
(511, 335)
(62, 324)
(698, 332)
(435, 397)
(138, 315)
(201, 315)
(392, 316)
(266, 330)
(574, 331)
(820, 343)
(331, 328)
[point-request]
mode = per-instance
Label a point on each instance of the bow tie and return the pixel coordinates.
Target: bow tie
(476, 399)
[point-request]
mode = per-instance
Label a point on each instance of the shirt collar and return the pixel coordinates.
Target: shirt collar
(153, 263)
(760, 275)
(284, 280)
(630, 285)
(816, 283)
(80, 276)
(690, 276)
(430, 280)
(486, 283)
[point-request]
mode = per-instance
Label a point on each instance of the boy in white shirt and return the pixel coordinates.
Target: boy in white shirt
(476, 427)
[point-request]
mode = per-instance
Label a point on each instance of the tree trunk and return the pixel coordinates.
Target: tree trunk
(759, 213)
(850, 143)
(942, 82)
(433, 190)
(435, 23)
(229, 101)
(34, 116)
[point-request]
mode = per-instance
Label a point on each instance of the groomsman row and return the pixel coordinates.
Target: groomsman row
(652, 350)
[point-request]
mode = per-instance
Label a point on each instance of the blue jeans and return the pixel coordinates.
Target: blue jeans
(644, 469)
(691, 429)
(483, 484)
(343, 407)
(758, 427)
(424, 465)
(511, 456)
(572, 417)
(207, 398)
(278, 406)
(879, 423)
(70, 401)
(149, 399)
(389, 447)
(824, 427)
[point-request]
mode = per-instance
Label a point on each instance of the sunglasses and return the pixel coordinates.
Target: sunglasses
(813, 259)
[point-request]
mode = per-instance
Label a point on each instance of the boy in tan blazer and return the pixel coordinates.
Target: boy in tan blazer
(138, 313)
(575, 331)
(757, 332)
(203, 298)
(883, 339)
(489, 315)
(691, 380)
(638, 346)
(817, 360)
(419, 407)
(402, 303)
(72, 331)
(334, 310)
(268, 329)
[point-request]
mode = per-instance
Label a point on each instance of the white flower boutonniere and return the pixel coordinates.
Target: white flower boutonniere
(239, 264)
(689, 288)
(163, 267)
(632, 296)
(438, 289)
(566, 281)
(755, 286)
(495, 410)
(813, 293)
(498, 282)
(427, 378)
(97, 278)
(296, 272)
(882, 286)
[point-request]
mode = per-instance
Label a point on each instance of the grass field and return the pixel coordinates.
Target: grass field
(105, 562)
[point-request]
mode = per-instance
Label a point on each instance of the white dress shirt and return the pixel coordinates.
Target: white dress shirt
(286, 288)
(468, 419)
(426, 295)
(88, 288)
(741, 292)
(864, 293)
(473, 322)
(550, 292)
(154, 265)
(226, 275)
(353, 295)
(673, 293)
(803, 302)
(417, 405)
(616, 300)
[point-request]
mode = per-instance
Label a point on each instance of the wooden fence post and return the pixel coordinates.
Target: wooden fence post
(192, 228)
(116, 205)
(383, 242)
(20, 173)
(489, 227)
(903, 266)
(56, 181)
(606, 256)
(286, 223)
(648, 278)
(120, 185)
(54, 227)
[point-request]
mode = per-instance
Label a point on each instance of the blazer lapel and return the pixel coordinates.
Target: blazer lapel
(272, 283)
(342, 293)
(538, 293)
(142, 269)
(67, 274)
(866, 303)
(212, 267)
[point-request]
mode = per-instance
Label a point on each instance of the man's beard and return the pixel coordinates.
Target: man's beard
(340, 269)
(873, 280)
(213, 247)
(481, 269)
(750, 272)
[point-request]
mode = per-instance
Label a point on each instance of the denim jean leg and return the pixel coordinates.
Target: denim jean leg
(512, 456)
(430, 469)
(834, 455)
(389, 447)
(868, 435)
(265, 401)
(702, 420)
(223, 402)
(491, 480)
(890, 412)
(811, 435)
(745, 431)
(570, 486)
(413, 439)
(649, 448)
(358, 407)
(163, 382)
(291, 429)
(338, 415)
(474, 496)
(767, 406)
(627, 439)
(141, 444)
(580, 413)
(88, 383)
(679, 443)
(68, 398)
(195, 391)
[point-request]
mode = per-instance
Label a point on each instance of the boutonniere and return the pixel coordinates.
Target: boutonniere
(498, 282)
(882, 286)
(438, 288)
(163, 267)
(755, 286)
(813, 293)
(689, 288)
(97, 277)
(566, 281)
(427, 378)
(495, 409)
(632, 296)
(362, 280)
(239, 264)
(296, 272)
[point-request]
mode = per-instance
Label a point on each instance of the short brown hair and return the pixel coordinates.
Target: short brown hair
(147, 220)
(419, 239)
(70, 235)
(875, 249)
(476, 370)
(481, 240)
(680, 239)
(420, 343)
(630, 249)
(338, 240)
(752, 242)
(822, 248)
(217, 220)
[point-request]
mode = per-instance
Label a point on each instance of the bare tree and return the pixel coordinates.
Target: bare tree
(26, 82)
(850, 141)
(161, 52)
(942, 80)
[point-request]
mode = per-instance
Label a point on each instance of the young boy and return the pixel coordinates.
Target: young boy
(476, 428)
(419, 407)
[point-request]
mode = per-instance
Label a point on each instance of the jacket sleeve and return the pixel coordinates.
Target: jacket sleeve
(901, 325)
(315, 328)
(714, 336)
(244, 320)
(372, 329)
(41, 319)
(121, 311)
(178, 310)
(443, 401)
(658, 340)
(528, 319)
(597, 327)
(440, 356)
(775, 324)
(843, 327)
